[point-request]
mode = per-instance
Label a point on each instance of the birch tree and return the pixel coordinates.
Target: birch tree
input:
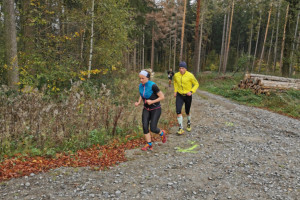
(91, 41)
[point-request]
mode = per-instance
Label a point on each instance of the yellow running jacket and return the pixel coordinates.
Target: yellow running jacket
(185, 83)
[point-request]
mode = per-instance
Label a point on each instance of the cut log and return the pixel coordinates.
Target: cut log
(273, 78)
(264, 84)
(279, 85)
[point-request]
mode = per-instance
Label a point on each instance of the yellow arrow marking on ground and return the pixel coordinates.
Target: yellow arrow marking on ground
(188, 150)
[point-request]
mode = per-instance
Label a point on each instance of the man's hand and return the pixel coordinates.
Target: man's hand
(189, 94)
(175, 94)
(137, 103)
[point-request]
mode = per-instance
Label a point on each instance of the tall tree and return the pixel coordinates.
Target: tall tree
(294, 5)
(257, 38)
(182, 31)
(263, 48)
(250, 42)
(11, 43)
(276, 39)
(283, 37)
(229, 37)
(196, 50)
(293, 48)
(222, 46)
(200, 43)
(92, 38)
(271, 44)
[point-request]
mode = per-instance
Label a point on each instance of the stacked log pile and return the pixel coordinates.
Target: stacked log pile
(263, 84)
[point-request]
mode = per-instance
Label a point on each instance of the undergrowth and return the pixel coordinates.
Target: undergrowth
(38, 123)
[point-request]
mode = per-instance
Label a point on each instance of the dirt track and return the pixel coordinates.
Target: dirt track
(233, 152)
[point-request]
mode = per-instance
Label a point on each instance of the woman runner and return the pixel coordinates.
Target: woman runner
(151, 96)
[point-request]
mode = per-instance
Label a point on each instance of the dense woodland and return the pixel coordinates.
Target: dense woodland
(69, 68)
(55, 43)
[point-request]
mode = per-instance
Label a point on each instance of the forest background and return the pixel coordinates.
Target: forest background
(69, 68)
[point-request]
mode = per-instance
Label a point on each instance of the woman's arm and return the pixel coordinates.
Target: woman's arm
(138, 102)
(160, 95)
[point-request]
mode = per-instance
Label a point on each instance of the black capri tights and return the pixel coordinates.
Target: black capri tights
(152, 117)
(183, 99)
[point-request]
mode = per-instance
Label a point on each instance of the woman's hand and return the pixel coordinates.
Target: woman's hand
(149, 102)
(137, 103)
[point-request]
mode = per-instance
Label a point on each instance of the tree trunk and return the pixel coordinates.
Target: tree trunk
(196, 52)
(222, 47)
(182, 31)
(276, 40)
(175, 43)
(200, 44)
(170, 53)
(82, 45)
(229, 35)
(134, 57)
(27, 29)
(263, 48)
(92, 43)
(143, 54)
(292, 15)
(250, 42)
(291, 70)
(10, 36)
(152, 49)
(283, 38)
(270, 48)
(257, 38)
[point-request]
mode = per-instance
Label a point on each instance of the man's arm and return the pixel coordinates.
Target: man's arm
(195, 84)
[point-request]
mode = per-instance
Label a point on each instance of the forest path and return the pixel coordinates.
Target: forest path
(232, 152)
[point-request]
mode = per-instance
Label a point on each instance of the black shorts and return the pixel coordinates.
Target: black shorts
(183, 99)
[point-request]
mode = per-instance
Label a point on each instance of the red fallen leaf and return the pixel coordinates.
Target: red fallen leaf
(110, 155)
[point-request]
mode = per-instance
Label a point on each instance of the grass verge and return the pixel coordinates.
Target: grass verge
(283, 102)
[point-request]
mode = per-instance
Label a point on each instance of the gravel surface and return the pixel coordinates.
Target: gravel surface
(232, 152)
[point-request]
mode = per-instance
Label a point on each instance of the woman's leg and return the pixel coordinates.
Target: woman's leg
(146, 120)
(154, 117)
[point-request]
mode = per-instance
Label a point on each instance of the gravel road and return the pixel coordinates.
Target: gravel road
(232, 152)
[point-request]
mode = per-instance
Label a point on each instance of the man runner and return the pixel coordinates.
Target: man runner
(185, 84)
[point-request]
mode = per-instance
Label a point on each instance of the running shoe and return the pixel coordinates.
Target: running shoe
(188, 128)
(180, 131)
(164, 137)
(147, 147)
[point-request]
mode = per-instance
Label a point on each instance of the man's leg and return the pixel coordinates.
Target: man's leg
(188, 103)
(179, 104)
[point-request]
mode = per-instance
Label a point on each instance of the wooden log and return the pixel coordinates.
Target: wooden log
(273, 78)
(279, 85)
